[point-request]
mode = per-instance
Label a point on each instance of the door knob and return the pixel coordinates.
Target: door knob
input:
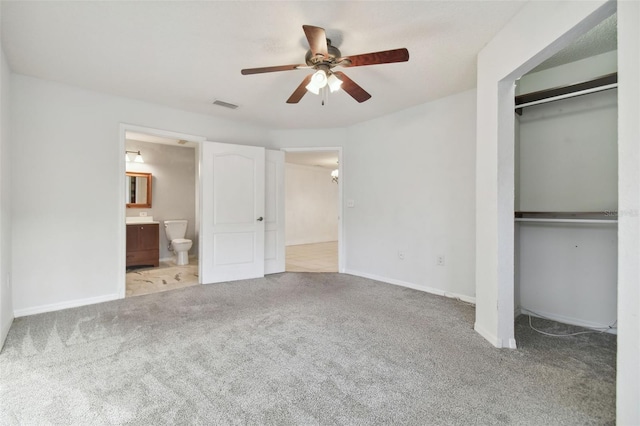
(260, 219)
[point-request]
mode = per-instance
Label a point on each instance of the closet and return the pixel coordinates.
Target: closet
(565, 213)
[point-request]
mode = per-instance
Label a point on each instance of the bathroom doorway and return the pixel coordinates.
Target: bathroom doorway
(313, 209)
(161, 185)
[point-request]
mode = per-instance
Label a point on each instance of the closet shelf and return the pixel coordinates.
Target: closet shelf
(609, 216)
(606, 82)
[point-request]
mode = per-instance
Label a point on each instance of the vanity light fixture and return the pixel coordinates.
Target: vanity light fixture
(138, 158)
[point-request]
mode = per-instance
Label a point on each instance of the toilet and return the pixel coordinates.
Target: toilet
(176, 230)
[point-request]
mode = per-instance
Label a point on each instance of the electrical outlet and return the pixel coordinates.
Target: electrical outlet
(440, 260)
(400, 254)
(143, 214)
(351, 204)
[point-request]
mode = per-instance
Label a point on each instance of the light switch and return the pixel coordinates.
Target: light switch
(351, 204)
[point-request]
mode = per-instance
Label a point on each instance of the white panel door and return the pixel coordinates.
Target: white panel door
(274, 251)
(232, 215)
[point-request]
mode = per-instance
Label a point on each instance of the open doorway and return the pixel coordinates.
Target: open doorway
(161, 187)
(312, 210)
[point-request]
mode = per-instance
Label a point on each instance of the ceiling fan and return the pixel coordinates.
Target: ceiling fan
(323, 57)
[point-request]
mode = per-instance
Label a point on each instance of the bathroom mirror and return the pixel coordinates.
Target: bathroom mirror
(138, 192)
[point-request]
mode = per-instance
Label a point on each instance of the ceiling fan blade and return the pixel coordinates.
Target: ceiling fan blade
(300, 91)
(317, 40)
(352, 88)
(261, 70)
(384, 57)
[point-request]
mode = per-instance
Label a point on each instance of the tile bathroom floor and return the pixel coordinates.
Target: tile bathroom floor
(319, 257)
(168, 276)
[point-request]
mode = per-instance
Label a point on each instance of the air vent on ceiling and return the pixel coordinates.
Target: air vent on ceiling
(225, 104)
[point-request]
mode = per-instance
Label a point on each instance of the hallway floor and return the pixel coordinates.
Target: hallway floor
(319, 257)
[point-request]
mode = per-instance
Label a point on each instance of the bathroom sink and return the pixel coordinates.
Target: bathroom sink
(139, 219)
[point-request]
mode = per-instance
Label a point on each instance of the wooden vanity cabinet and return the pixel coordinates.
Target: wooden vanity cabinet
(143, 244)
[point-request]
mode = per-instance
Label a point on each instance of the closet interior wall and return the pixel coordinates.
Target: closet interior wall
(566, 161)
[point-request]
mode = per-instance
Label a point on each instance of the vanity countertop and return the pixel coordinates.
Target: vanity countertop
(140, 220)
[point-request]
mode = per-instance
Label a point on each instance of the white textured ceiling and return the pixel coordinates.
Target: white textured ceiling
(187, 54)
(324, 159)
(600, 39)
(143, 137)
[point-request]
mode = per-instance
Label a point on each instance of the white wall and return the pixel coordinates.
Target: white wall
(173, 170)
(307, 138)
(311, 205)
(568, 272)
(410, 175)
(628, 367)
(569, 155)
(6, 303)
(67, 249)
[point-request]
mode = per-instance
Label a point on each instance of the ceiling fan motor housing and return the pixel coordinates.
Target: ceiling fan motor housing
(314, 61)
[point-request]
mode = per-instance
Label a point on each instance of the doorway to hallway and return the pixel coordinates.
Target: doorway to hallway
(317, 257)
(312, 200)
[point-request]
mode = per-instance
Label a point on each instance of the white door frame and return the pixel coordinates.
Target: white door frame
(341, 251)
(274, 212)
(122, 212)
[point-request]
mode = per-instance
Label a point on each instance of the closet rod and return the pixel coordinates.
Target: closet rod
(527, 219)
(600, 215)
(569, 95)
(606, 82)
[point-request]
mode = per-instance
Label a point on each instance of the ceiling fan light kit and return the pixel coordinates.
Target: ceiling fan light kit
(321, 79)
(334, 83)
(318, 81)
(323, 57)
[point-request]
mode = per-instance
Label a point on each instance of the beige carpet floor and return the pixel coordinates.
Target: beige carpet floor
(297, 349)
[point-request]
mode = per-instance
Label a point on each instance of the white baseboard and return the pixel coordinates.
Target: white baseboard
(173, 258)
(4, 332)
(567, 320)
(488, 336)
(64, 305)
(495, 340)
(413, 286)
(517, 311)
